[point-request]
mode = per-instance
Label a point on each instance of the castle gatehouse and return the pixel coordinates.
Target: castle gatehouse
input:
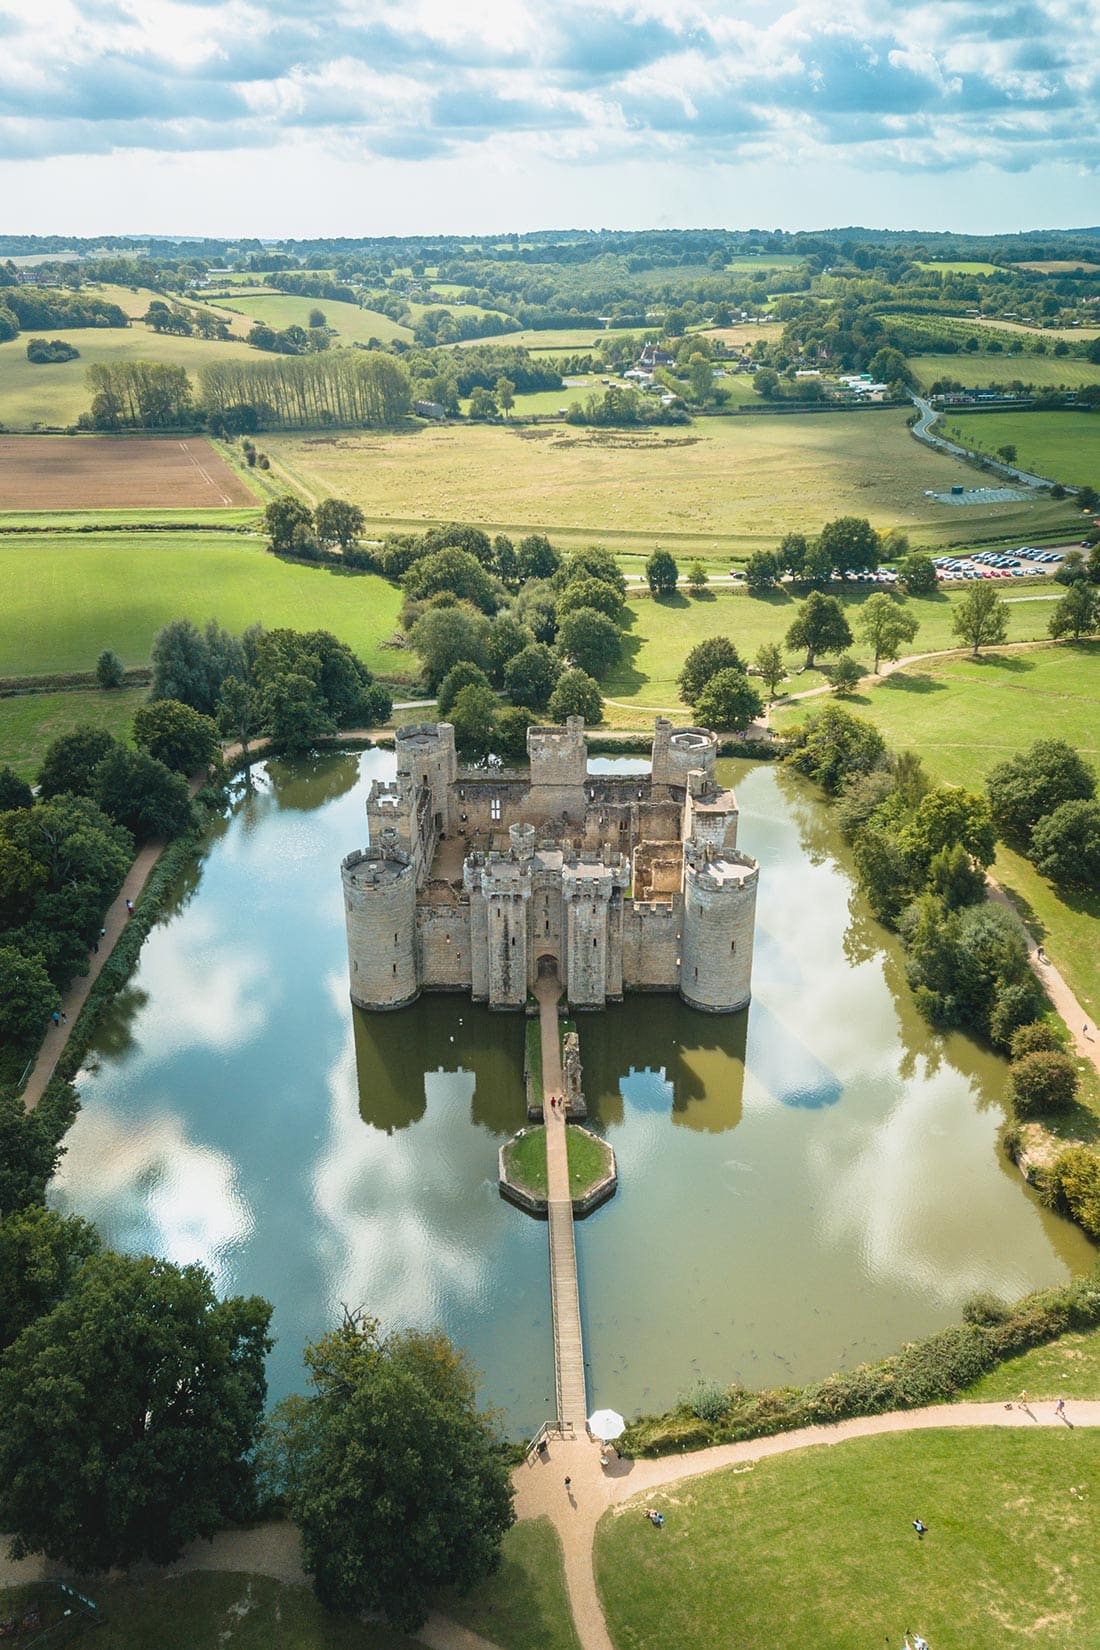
(480, 879)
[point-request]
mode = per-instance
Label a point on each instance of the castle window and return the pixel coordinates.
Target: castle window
(595, 942)
(696, 973)
(395, 939)
(513, 942)
(494, 808)
(733, 945)
(395, 971)
(548, 925)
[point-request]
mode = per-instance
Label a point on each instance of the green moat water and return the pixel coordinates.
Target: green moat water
(801, 1187)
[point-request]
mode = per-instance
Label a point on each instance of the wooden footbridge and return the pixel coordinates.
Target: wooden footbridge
(569, 1382)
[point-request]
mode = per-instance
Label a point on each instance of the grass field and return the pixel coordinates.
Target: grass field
(663, 632)
(1062, 445)
(53, 397)
(68, 597)
(525, 1160)
(722, 484)
(962, 718)
(524, 1606)
(1050, 334)
(1045, 371)
(29, 721)
(279, 309)
(1068, 1367)
(205, 1612)
(1056, 266)
(566, 341)
(50, 472)
(817, 1548)
(959, 266)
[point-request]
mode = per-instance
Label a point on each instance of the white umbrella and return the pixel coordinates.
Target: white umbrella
(606, 1424)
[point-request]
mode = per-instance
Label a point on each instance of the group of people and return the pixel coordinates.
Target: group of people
(557, 1102)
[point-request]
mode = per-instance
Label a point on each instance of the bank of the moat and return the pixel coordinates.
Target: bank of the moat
(801, 1187)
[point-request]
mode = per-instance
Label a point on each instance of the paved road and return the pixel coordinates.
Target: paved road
(922, 429)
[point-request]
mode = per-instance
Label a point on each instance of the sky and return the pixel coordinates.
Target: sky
(366, 117)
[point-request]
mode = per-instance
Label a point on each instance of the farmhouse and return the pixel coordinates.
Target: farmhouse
(482, 881)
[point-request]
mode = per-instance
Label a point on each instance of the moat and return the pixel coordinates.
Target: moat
(802, 1186)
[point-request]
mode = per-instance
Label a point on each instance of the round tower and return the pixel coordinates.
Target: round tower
(718, 924)
(380, 911)
(676, 753)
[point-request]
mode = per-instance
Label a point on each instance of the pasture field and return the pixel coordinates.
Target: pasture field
(1062, 445)
(817, 1547)
(720, 485)
(34, 396)
(739, 388)
(741, 333)
(959, 266)
(962, 717)
(1056, 266)
(1045, 371)
(48, 472)
(280, 309)
(30, 721)
(664, 631)
(68, 597)
(551, 341)
(766, 260)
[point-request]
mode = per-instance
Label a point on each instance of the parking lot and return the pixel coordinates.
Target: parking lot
(1025, 563)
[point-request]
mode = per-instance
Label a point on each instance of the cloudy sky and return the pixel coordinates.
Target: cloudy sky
(301, 117)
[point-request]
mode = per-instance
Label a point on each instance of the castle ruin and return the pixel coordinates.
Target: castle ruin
(481, 879)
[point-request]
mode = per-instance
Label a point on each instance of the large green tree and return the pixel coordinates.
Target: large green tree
(981, 618)
(71, 760)
(661, 570)
(456, 571)
(820, 627)
(851, 544)
(474, 715)
(336, 521)
(835, 747)
(1078, 612)
(729, 702)
(770, 668)
(1065, 845)
(139, 792)
(398, 1484)
(917, 574)
(586, 591)
(281, 517)
(41, 1253)
(464, 674)
(531, 676)
(30, 1150)
(444, 635)
(130, 1411)
(705, 660)
(576, 694)
(884, 625)
(182, 738)
(1033, 783)
(590, 641)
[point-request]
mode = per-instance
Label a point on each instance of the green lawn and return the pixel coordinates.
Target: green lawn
(524, 1606)
(1066, 1368)
(731, 484)
(525, 1160)
(55, 396)
(978, 370)
(1062, 445)
(207, 1612)
(959, 266)
(66, 598)
(588, 1158)
(817, 1548)
(662, 632)
(28, 722)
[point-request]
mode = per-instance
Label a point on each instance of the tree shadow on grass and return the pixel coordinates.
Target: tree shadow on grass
(1017, 664)
(625, 680)
(902, 682)
(673, 600)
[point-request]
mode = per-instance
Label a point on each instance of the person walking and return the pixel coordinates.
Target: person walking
(921, 1527)
(569, 1486)
(1060, 1409)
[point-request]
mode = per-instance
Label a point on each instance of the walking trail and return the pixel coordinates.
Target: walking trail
(626, 1486)
(569, 1381)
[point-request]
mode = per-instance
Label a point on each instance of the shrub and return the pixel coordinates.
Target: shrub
(1077, 1178)
(1036, 1037)
(1042, 1082)
(984, 1308)
(576, 694)
(464, 674)
(109, 669)
(1065, 845)
(707, 1400)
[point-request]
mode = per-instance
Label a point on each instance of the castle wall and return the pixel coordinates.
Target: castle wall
(559, 765)
(651, 945)
(380, 913)
(545, 926)
(507, 949)
(676, 752)
(445, 946)
(479, 941)
(586, 944)
(717, 938)
(426, 754)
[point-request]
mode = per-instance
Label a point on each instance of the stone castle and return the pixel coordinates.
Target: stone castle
(480, 880)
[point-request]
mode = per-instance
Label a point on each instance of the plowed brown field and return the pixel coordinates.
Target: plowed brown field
(42, 472)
